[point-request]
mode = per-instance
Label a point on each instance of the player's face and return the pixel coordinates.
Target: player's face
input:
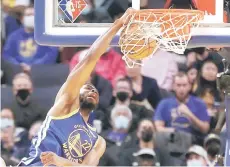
(89, 97)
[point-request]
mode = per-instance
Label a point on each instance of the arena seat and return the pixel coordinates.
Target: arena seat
(7, 96)
(49, 75)
(46, 96)
(9, 71)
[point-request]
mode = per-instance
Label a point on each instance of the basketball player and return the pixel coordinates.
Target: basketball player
(66, 138)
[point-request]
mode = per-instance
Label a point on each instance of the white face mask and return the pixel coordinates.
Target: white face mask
(194, 162)
(5, 122)
(29, 21)
(121, 122)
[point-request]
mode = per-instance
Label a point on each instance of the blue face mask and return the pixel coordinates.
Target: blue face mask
(121, 122)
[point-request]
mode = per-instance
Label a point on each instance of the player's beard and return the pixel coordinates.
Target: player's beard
(87, 106)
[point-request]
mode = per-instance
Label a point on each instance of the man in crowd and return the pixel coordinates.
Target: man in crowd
(121, 119)
(123, 94)
(212, 145)
(21, 48)
(183, 111)
(14, 141)
(145, 140)
(23, 106)
(196, 156)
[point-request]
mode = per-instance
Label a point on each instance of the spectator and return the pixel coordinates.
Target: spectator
(110, 66)
(146, 157)
(207, 79)
(196, 156)
(190, 58)
(12, 19)
(145, 135)
(11, 149)
(212, 145)
(207, 90)
(203, 55)
(153, 67)
(144, 87)
(121, 119)
(20, 47)
(23, 106)
(192, 73)
(123, 94)
(183, 111)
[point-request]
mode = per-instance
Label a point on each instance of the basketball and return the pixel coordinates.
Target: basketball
(132, 44)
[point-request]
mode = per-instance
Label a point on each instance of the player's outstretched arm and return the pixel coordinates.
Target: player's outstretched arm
(81, 72)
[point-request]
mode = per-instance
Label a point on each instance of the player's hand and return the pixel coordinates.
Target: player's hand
(183, 109)
(127, 16)
(49, 158)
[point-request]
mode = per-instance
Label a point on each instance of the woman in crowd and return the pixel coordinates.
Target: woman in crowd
(207, 90)
(144, 88)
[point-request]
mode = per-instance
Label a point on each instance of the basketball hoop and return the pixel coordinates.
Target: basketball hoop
(152, 29)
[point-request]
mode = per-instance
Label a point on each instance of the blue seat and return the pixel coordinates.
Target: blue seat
(49, 75)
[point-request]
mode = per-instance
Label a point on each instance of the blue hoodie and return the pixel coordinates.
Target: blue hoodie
(20, 47)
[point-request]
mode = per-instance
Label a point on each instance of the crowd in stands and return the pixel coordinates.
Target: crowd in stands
(166, 113)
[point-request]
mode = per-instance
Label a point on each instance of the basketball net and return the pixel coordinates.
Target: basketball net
(169, 28)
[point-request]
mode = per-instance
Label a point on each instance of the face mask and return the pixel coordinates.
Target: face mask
(122, 96)
(147, 135)
(194, 162)
(5, 123)
(121, 122)
(29, 21)
(22, 95)
(213, 149)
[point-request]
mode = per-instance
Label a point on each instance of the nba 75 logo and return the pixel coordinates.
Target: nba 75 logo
(72, 8)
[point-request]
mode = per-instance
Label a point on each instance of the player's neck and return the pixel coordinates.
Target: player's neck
(85, 114)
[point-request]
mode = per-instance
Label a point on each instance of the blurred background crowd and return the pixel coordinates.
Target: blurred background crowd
(168, 112)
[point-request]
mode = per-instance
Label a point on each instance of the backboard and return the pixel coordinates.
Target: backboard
(56, 25)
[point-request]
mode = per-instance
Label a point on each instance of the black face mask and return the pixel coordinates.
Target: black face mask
(122, 96)
(213, 149)
(23, 95)
(147, 135)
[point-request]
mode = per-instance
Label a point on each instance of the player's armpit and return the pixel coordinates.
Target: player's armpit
(81, 72)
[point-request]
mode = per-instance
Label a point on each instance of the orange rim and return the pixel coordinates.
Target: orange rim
(175, 12)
